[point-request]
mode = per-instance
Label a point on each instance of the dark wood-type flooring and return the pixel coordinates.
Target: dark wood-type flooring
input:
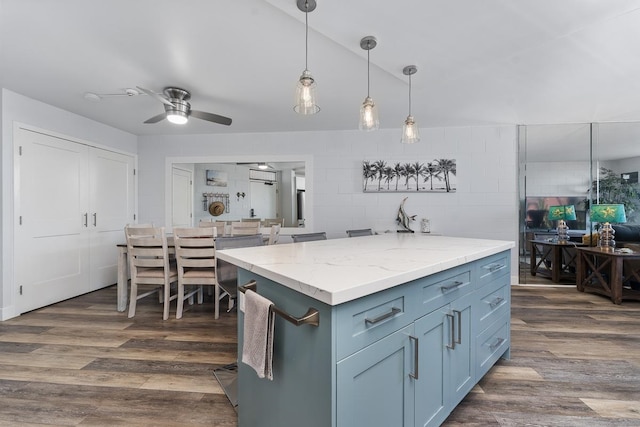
(575, 362)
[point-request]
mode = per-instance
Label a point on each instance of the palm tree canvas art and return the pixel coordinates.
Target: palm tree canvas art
(437, 176)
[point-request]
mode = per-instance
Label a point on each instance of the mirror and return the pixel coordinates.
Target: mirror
(242, 188)
(558, 165)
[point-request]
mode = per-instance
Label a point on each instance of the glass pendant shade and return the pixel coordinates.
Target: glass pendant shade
(369, 115)
(305, 102)
(410, 131)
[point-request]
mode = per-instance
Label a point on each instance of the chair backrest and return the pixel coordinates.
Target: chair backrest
(274, 235)
(226, 271)
(268, 222)
(250, 219)
(147, 248)
(195, 247)
(220, 226)
(239, 228)
(309, 237)
(360, 232)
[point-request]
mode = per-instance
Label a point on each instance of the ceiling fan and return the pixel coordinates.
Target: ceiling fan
(177, 108)
(97, 97)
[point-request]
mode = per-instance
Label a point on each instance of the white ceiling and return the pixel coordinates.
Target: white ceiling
(479, 62)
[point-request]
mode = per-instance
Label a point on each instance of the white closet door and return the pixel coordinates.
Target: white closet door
(112, 206)
(51, 255)
(181, 197)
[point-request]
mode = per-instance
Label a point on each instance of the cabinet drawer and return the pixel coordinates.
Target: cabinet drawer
(366, 320)
(493, 302)
(492, 343)
(442, 288)
(492, 267)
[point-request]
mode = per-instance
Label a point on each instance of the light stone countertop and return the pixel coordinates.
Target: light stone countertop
(335, 271)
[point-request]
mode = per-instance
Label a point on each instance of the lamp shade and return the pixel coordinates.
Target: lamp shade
(565, 212)
(608, 213)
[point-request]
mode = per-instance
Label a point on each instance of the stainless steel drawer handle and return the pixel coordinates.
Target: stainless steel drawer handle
(494, 267)
(452, 342)
(496, 302)
(496, 344)
(458, 314)
(393, 312)
(454, 285)
(415, 356)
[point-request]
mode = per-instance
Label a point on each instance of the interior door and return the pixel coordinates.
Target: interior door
(111, 207)
(51, 230)
(181, 197)
(264, 199)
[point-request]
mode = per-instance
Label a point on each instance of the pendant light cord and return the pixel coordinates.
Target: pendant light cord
(368, 52)
(306, 35)
(409, 94)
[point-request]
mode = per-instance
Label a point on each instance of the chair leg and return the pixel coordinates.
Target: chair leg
(133, 298)
(180, 301)
(200, 295)
(167, 293)
(216, 301)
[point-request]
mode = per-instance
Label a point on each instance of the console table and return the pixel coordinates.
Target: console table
(607, 272)
(560, 255)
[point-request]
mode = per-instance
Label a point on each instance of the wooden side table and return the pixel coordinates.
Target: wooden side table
(608, 272)
(553, 259)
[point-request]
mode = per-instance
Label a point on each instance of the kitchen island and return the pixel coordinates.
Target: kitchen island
(407, 325)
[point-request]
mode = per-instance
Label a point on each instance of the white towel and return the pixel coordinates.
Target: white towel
(259, 321)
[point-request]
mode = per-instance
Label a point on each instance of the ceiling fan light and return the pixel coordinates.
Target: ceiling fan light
(305, 101)
(369, 115)
(410, 131)
(177, 117)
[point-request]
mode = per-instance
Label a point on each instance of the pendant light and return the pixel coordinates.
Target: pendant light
(410, 131)
(305, 102)
(368, 112)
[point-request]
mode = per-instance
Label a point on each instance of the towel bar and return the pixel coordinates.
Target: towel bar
(311, 317)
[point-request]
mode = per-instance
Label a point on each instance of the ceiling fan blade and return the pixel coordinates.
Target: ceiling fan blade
(211, 117)
(156, 119)
(157, 96)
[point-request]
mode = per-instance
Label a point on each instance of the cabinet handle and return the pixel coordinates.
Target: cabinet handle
(458, 314)
(95, 219)
(415, 357)
(496, 344)
(452, 342)
(496, 302)
(494, 267)
(86, 219)
(393, 312)
(454, 285)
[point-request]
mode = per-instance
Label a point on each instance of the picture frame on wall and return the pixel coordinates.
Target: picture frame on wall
(436, 176)
(217, 178)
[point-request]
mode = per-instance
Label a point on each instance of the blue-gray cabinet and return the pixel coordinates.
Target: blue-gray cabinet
(405, 356)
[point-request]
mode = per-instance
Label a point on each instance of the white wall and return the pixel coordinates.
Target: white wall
(484, 206)
(558, 179)
(18, 109)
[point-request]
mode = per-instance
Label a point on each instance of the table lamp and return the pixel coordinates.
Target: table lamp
(606, 214)
(562, 214)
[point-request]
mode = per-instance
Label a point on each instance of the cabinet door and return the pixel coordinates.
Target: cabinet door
(373, 385)
(462, 355)
(432, 386)
(112, 205)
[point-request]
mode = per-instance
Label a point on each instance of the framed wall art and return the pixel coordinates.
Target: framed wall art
(436, 176)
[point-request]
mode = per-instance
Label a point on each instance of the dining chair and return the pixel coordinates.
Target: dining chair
(220, 226)
(196, 262)
(268, 222)
(274, 235)
(227, 273)
(250, 219)
(241, 228)
(309, 237)
(360, 232)
(149, 265)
